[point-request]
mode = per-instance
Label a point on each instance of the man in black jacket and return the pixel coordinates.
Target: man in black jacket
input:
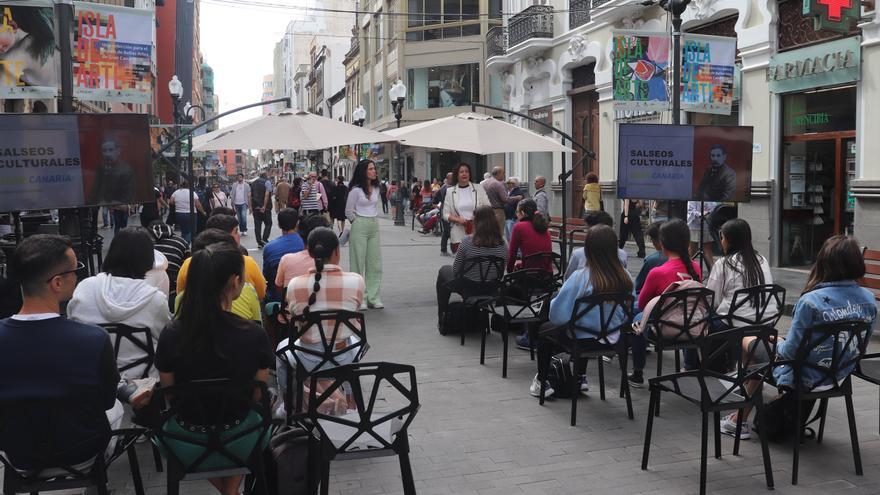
(439, 198)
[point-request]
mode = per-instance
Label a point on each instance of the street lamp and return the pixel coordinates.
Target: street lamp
(397, 92)
(358, 116)
(175, 88)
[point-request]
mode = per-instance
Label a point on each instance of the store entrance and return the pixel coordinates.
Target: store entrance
(816, 201)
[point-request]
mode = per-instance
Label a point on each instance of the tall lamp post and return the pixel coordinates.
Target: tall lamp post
(397, 92)
(358, 116)
(175, 87)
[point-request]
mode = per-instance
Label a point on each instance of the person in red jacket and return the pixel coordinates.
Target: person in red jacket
(529, 236)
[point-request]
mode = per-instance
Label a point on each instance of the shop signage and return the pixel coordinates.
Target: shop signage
(828, 64)
(832, 15)
(708, 73)
(812, 119)
(543, 114)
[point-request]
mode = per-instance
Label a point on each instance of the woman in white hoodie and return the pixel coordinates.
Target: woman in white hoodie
(120, 295)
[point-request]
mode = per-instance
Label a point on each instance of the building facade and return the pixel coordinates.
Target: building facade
(555, 61)
(268, 92)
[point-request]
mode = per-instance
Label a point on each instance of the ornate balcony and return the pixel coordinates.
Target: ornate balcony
(534, 22)
(496, 41)
(579, 12)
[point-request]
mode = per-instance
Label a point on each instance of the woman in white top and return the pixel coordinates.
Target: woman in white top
(361, 209)
(217, 198)
(741, 267)
(181, 201)
(460, 203)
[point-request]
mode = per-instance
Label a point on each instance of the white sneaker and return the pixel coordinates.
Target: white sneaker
(363, 307)
(243, 234)
(585, 387)
(535, 389)
(377, 305)
(728, 427)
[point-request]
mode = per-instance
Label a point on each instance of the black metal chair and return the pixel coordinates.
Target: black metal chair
(544, 260)
(869, 369)
(674, 334)
(476, 295)
(369, 430)
(200, 415)
(47, 454)
(524, 300)
(339, 333)
(847, 341)
(608, 308)
(714, 392)
(761, 297)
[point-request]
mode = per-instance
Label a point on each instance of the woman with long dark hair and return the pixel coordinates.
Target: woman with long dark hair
(674, 238)
(602, 274)
(462, 200)
(740, 268)
(530, 235)
(361, 209)
(486, 240)
(207, 341)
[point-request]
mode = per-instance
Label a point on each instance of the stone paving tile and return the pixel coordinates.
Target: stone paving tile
(478, 433)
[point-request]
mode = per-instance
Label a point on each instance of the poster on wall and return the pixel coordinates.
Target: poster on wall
(66, 161)
(113, 53)
(685, 162)
(639, 71)
(28, 50)
(707, 73)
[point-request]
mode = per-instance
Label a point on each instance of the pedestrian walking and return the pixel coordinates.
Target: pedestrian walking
(461, 201)
(313, 196)
(282, 192)
(540, 197)
(496, 191)
(338, 200)
(261, 205)
(218, 198)
(592, 195)
(383, 195)
(181, 202)
(240, 198)
(631, 223)
(361, 209)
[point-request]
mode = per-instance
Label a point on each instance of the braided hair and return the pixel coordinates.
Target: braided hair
(323, 242)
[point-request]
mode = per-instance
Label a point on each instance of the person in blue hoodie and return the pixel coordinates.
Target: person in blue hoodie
(831, 294)
(602, 273)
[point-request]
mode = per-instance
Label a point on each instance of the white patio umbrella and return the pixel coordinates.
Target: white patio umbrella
(474, 133)
(287, 129)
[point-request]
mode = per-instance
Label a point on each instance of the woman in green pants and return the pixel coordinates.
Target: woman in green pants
(361, 209)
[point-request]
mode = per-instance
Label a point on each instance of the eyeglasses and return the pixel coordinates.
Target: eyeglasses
(79, 266)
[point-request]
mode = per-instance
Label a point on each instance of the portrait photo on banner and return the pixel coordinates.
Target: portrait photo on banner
(722, 163)
(116, 159)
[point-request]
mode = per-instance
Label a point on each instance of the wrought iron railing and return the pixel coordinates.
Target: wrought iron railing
(496, 41)
(578, 13)
(533, 22)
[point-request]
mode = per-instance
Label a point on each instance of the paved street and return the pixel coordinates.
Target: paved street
(480, 434)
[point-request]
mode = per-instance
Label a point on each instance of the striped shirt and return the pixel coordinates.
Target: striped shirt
(311, 202)
(339, 290)
(467, 250)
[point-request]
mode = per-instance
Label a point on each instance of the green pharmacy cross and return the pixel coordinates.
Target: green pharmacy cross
(832, 15)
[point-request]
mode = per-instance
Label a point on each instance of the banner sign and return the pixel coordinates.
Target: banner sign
(66, 161)
(29, 59)
(639, 71)
(113, 53)
(684, 162)
(707, 73)
(827, 64)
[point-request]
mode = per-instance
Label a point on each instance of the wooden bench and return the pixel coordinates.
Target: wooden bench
(871, 280)
(575, 230)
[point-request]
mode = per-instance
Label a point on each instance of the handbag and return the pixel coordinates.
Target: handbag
(468, 227)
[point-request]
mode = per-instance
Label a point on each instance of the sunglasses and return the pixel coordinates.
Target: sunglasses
(79, 266)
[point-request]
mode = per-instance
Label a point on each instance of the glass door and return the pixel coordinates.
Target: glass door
(848, 171)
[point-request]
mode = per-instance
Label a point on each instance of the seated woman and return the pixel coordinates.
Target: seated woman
(325, 287)
(832, 293)
(603, 274)
(120, 295)
(207, 341)
(529, 236)
(674, 239)
(485, 241)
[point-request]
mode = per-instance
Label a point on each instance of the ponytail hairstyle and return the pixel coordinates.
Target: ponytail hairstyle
(739, 247)
(322, 243)
(200, 310)
(675, 237)
(529, 209)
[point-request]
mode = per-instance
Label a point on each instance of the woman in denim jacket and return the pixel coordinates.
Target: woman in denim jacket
(832, 294)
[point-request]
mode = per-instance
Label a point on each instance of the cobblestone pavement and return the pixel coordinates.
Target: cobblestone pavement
(477, 433)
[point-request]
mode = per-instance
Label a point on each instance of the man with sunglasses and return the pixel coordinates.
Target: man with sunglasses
(43, 355)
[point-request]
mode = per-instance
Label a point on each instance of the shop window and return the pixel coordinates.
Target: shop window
(437, 19)
(379, 106)
(819, 111)
(446, 86)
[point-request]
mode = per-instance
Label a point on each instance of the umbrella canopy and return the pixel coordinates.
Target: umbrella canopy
(474, 133)
(288, 130)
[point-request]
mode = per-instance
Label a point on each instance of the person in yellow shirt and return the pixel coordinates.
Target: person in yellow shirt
(252, 273)
(592, 194)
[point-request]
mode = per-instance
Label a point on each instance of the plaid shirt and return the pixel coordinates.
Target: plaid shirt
(339, 290)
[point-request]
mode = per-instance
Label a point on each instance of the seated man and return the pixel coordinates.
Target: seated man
(43, 355)
(653, 260)
(290, 242)
(578, 258)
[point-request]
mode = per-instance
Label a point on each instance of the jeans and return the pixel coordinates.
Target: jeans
(384, 204)
(508, 227)
(241, 214)
(261, 218)
(183, 220)
(446, 227)
(105, 216)
(366, 256)
(639, 345)
(120, 220)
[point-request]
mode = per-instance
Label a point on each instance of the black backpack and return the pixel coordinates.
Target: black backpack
(560, 376)
(287, 462)
(258, 192)
(779, 418)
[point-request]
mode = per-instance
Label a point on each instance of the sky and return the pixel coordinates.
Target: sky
(238, 43)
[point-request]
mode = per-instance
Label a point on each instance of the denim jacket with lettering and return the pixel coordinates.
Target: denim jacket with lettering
(828, 302)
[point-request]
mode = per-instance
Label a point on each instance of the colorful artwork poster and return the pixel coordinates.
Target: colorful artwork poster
(113, 53)
(640, 63)
(29, 58)
(707, 73)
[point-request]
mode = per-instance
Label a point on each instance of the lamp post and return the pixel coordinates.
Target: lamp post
(175, 88)
(358, 116)
(397, 92)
